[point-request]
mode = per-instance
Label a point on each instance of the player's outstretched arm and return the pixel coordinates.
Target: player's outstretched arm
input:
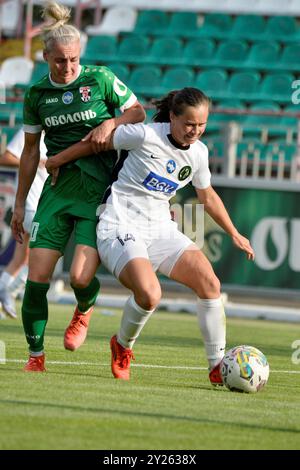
(214, 206)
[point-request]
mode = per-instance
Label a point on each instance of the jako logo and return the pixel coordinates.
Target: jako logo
(155, 182)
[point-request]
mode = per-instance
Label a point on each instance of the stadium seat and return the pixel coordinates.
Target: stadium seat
(183, 23)
(116, 18)
(120, 70)
(277, 86)
(146, 81)
(154, 22)
(263, 56)
(282, 28)
(199, 52)
(231, 54)
(100, 49)
(177, 78)
(262, 126)
(16, 70)
(216, 25)
(40, 69)
(133, 49)
(289, 59)
(167, 51)
(244, 86)
(249, 27)
(213, 83)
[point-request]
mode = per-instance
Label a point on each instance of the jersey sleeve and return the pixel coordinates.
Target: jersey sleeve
(116, 92)
(129, 136)
(202, 176)
(31, 121)
(16, 144)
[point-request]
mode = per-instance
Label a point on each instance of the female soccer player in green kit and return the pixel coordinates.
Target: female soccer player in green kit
(69, 103)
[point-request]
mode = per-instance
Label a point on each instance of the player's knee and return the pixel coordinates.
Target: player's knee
(149, 297)
(79, 281)
(211, 287)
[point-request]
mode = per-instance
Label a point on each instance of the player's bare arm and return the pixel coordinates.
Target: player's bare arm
(100, 136)
(8, 159)
(214, 206)
(28, 166)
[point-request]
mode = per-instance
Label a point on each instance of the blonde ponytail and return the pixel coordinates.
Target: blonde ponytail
(56, 28)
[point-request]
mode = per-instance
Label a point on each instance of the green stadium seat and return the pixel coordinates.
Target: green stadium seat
(40, 69)
(133, 49)
(263, 56)
(199, 52)
(231, 54)
(11, 114)
(146, 81)
(291, 121)
(277, 86)
(177, 78)
(262, 126)
(120, 70)
(183, 23)
(167, 51)
(153, 22)
(289, 59)
(216, 25)
(249, 27)
(213, 83)
(244, 86)
(282, 28)
(149, 114)
(7, 133)
(100, 49)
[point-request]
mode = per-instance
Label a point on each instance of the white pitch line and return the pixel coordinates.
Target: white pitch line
(147, 366)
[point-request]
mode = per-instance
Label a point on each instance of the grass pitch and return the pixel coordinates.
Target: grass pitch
(168, 403)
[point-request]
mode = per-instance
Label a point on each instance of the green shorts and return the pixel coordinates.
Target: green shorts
(69, 205)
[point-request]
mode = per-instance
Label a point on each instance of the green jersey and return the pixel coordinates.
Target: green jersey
(69, 112)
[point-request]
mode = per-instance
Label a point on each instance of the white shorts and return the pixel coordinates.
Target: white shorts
(163, 253)
(29, 215)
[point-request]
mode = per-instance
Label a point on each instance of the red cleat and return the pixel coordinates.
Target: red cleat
(35, 364)
(76, 332)
(120, 359)
(215, 376)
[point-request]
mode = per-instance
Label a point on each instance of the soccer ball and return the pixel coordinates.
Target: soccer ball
(244, 369)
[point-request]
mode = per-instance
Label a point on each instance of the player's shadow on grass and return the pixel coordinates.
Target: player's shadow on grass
(136, 414)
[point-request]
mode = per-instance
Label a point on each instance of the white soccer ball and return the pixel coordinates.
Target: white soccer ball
(245, 369)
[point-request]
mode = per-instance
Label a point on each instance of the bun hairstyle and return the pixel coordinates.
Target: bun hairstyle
(56, 28)
(176, 101)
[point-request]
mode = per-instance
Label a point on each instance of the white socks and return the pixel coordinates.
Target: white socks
(133, 320)
(212, 322)
(6, 280)
(19, 281)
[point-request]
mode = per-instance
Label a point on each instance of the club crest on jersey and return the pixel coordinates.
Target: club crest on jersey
(67, 97)
(85, 93)
(158, 183)
(184, 173)
(171, 166)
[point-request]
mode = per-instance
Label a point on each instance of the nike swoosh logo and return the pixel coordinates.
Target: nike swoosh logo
(154, 158)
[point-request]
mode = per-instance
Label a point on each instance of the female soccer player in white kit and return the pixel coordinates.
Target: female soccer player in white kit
(136, 236)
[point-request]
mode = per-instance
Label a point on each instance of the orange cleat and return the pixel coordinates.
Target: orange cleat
(76, 332)
(215, 376)
(120, 359)
(35, 364)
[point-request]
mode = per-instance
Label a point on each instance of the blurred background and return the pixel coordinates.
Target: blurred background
(245, 57)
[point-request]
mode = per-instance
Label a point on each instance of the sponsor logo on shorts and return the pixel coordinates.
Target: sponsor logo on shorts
(158, 183)
(67, 97)
(34, 231)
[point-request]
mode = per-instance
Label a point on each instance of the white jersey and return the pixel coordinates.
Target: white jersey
(156, 167)
(15, 147)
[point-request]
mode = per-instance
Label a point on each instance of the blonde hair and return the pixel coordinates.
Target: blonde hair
(57, 30)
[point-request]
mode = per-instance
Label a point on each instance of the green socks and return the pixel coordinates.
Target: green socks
(35, 314)
(87, 297)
